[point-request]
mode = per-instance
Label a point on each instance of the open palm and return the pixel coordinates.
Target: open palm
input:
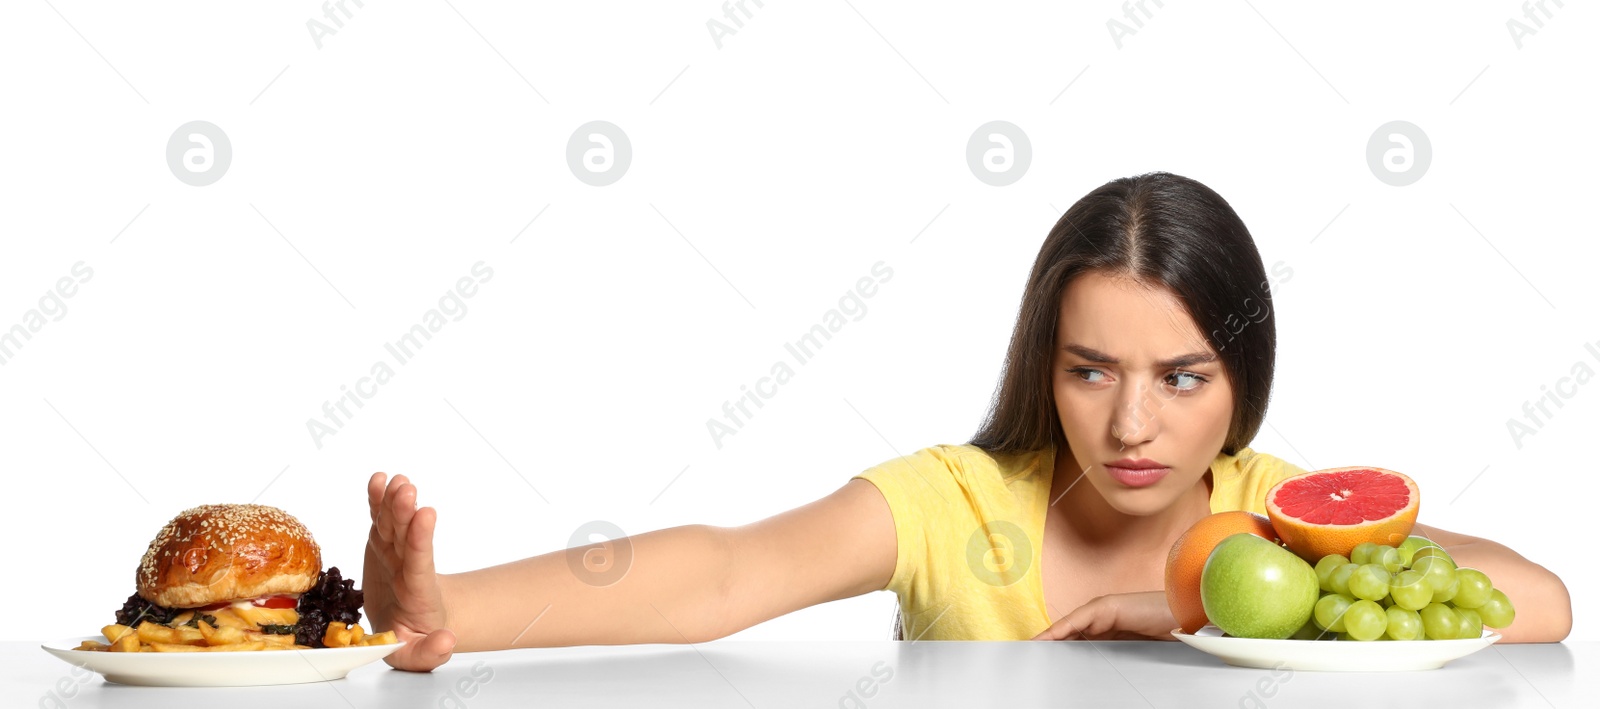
(400, 589)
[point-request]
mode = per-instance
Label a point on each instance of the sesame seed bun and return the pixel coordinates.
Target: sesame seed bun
(214, 553)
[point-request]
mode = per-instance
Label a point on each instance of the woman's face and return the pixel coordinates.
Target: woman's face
(1134, 378)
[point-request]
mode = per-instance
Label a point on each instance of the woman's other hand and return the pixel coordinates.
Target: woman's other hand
(1118, 616)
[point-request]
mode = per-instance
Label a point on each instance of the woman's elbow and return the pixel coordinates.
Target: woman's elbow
(1560, 620)
(1548, 613)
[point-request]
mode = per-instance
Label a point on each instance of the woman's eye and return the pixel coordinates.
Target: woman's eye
(1185, 381)
(1085, 372)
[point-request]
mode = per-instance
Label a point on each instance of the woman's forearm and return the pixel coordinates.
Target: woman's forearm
(670, 589)
(1544, 608)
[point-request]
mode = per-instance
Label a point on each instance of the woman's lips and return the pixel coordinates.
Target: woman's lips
(1137, 477)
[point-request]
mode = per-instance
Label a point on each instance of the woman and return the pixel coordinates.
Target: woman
(1139, 369)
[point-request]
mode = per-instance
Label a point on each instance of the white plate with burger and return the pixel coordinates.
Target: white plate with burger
(218, 669)
(232, 596)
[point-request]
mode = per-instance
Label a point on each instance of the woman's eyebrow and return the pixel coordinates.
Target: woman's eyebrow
(1094, 355)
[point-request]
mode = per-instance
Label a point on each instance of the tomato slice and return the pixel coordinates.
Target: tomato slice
(276, 602)
(266, 602)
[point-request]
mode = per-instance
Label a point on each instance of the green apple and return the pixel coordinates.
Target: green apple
(1409, 547)
(1253, 588)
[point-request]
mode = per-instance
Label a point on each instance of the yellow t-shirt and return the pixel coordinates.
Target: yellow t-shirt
(970, 528)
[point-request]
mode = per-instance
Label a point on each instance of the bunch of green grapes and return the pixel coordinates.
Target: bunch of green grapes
(1410, 592)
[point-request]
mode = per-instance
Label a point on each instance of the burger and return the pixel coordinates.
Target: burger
(243, 565)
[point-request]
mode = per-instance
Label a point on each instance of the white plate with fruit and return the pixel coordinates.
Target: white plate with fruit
(1333, 655)
(1312, 585)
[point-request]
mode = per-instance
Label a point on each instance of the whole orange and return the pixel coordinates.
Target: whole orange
(1188, 558)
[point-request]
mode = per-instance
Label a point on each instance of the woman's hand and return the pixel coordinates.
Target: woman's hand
(1118, 616)
(400, 589)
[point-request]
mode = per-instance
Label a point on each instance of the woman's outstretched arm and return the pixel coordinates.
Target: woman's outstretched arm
(684, 584)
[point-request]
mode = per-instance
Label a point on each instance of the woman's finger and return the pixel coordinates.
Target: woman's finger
(1062, 629)
(405, 507)
(383, 550)
(1087, 621)
(375, 486)
(386, 523)
(424, 653)
(417, 564)
(433, 650)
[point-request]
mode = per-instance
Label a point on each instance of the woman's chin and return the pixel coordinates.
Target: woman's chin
(1140, 502)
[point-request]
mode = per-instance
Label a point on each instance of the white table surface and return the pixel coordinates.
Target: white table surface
(841, 674)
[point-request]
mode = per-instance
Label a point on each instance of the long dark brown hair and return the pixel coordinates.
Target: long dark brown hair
(1163, 230)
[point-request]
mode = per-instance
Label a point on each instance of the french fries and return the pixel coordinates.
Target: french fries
(338, 635)
(152, 633)
(174, 647)
(230, 647)
(262, 616)
(225, 635)
(230, 634)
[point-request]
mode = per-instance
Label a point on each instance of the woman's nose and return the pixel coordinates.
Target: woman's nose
(1138, 417)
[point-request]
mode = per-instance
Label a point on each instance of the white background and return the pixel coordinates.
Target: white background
(768, 175)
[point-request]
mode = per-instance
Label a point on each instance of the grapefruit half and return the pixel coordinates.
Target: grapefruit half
(1188, 558)
(1331, 511)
